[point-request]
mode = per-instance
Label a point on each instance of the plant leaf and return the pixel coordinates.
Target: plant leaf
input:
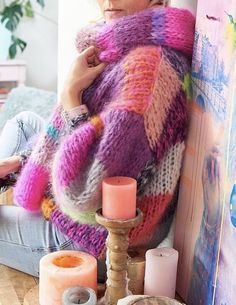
(16, 43)
(41, 3)
(29, 12)
(12, 15)
(22, 44)
(12, 51)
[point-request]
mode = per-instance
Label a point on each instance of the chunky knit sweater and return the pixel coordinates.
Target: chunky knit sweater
(138, 108)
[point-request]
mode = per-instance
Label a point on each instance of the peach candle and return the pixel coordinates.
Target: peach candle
(160, 272)
(119, 198)
(64, 269)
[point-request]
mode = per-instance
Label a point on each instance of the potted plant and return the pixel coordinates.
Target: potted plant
(11, 13)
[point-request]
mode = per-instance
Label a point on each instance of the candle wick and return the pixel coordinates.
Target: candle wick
(161, 255)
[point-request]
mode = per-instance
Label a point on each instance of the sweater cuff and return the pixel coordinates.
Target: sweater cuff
(77, 111)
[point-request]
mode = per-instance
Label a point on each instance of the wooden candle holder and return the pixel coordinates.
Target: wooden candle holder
(117, 246)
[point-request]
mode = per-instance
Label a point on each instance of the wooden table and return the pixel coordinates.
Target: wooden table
(12, 74)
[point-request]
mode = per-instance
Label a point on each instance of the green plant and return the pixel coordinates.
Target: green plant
(11, 13)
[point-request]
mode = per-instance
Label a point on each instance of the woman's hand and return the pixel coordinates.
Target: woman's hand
(83, 72)
(9, 165)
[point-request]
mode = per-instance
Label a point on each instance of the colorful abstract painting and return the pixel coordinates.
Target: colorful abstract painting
(206, 217)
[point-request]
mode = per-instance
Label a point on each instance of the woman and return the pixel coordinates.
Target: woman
(123, 111)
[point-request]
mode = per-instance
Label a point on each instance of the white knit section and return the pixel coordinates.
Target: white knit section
(167, 173)
(83, 194)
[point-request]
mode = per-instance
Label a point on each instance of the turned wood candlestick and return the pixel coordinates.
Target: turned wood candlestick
(117, 246)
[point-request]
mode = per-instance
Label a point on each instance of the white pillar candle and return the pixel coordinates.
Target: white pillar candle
(161, 271)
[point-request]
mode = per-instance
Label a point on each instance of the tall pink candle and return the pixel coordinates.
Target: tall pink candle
(119, 198)
(160, 272)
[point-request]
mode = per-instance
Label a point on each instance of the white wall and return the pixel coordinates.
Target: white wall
(189, 4)
(41, 34)
(71, 18)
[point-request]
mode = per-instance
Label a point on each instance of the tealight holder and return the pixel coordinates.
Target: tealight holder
(117, 255)
(79, 295)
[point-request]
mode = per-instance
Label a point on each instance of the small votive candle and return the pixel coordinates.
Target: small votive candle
(79, 295)
(119, 198)
(160, 272)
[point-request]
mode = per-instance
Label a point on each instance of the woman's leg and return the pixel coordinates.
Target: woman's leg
(26, 237)
(18, 131)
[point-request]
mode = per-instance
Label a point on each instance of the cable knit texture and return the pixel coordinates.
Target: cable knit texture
(138, 127)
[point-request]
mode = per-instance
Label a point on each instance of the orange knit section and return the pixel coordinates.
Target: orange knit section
(153, 209)
(140, 68)
(166, 88)
(97, 122)
(47, 207)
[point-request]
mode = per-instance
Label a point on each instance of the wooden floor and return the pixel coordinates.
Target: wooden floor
(14, 285)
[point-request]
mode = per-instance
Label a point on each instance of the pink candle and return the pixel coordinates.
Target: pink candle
(119, 198)
(160, 272)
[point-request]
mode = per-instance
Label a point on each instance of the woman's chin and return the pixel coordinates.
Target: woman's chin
(113, 15)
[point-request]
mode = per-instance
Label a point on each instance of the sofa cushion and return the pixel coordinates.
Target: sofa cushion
(30, 99)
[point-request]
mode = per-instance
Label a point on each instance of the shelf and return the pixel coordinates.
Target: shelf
(12, 74)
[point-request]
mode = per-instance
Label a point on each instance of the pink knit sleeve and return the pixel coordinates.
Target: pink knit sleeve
(34, 178)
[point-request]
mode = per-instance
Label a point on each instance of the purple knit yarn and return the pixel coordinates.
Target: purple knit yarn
(125, 40)
(151, 26)
(177, 60)
(159, 20)
(91, 239)
(73, 152)
(175, 126)
(104, 88)
(124, 155)
(28, 191)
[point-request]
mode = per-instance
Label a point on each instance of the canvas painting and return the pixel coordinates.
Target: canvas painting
(206, 217)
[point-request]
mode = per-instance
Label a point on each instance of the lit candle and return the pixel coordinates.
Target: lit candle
(63, 269)
(119, 198)
(160, 272)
